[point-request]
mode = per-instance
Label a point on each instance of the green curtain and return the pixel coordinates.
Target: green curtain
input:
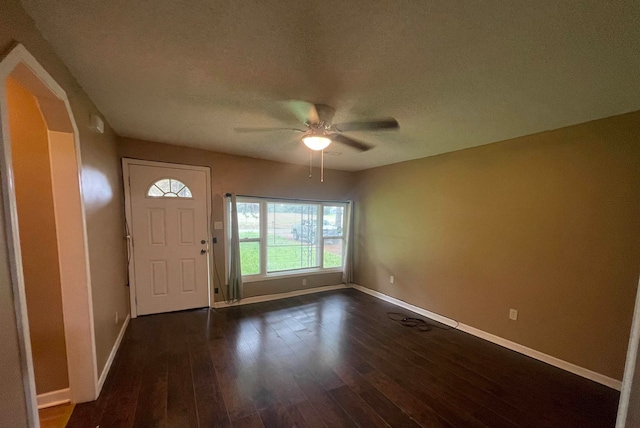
(235, 268)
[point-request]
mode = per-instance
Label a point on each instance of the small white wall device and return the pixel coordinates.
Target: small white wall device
(96, 124)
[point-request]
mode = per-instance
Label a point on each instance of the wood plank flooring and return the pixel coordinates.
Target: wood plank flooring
(331, 359)
(56, 416)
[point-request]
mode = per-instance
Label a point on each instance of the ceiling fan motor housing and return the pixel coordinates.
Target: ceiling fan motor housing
(317, 130)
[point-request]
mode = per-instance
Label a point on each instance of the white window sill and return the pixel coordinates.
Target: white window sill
(284, 275)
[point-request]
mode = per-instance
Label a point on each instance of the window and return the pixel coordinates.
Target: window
(249, 232)
(279, 237)
(169, 188)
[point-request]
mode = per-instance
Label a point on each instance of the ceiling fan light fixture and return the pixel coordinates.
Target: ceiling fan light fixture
(316, 142)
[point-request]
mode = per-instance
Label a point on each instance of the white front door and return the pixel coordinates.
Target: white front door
(169, 229)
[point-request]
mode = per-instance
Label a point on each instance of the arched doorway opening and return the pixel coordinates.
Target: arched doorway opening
(46, 234)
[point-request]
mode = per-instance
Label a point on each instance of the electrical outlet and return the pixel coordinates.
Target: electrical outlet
(304, 281)
(117, 318)
(215, 240)
(392, 279)
(513, 314)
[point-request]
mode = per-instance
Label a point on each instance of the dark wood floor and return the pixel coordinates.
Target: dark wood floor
(329, 360)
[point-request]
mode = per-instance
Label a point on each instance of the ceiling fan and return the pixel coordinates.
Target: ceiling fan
(320, 132)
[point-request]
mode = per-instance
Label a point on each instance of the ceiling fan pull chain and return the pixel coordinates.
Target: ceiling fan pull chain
(310, 162)
(322, 166)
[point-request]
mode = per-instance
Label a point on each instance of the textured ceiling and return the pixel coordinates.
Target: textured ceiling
(455, 74)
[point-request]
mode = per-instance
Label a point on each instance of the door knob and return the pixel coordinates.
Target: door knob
(203, 251)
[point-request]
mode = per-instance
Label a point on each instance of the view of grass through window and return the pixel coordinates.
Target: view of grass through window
(292, 237)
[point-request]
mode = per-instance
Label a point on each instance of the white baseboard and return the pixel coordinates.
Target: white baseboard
(54, 398)
(570, 367)
(112, 355)
(269, 297)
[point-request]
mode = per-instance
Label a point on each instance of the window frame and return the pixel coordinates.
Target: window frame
(263, 244)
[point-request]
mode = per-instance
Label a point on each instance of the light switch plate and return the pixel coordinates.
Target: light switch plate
(217, 225)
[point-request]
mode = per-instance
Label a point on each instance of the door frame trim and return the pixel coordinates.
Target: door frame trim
(77, 302)
(631, 367)
(126, 163)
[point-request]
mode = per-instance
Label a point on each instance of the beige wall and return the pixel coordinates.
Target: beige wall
(38, 238)
(102, 195)
(104, 210)
(256, 177)
(548, 224)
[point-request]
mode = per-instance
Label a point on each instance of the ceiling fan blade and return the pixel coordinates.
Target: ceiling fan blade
(370, 125)
(245, 130)
(304, 111)
(287, 145)
(358, 145)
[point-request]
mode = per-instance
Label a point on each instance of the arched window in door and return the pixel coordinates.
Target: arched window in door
(169, 188)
